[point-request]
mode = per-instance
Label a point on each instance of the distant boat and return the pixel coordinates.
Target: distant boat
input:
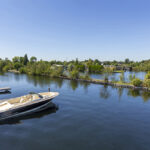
(5, 90)
(24, 105)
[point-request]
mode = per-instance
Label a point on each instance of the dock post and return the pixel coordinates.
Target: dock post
(48, 89)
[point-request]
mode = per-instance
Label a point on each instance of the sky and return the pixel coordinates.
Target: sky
(70, 29)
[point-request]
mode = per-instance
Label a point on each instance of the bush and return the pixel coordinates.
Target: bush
(95, 68)
(131, 77)
(22, 70)
(147, 76)
(147, 83)
(56, 72)
(17, 65)
(59, 71)
(85, 77)
(53, 74)
(5, 68)
(80, 67)
(109, 69)
(137, 82)
(147, 80)
(122, 77)
(106, 78)
(74, 74)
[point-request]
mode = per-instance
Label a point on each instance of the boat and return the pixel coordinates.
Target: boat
(51, 108)
(24, 105)
(5, 90)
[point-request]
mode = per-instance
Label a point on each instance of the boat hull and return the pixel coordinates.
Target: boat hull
(25, 110)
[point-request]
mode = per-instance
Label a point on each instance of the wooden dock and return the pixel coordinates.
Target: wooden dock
(5, 89)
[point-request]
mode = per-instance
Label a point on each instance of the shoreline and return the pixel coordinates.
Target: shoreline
(100, 82)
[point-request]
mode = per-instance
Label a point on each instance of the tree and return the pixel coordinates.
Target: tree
(122, 77)
(131, 77)
(147, 76)
(74, 74)
(26, 60)
(21, 60)
(70, 67)
(33, 59)
(96, 61)
(137, 82)
(95, 68)
(16, 59)
(2, 64)
(147, 80)
(80, 67)
(76, 62)
(17, 65)
(127, 60)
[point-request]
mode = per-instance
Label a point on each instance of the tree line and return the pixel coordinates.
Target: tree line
(34, 66)
(74, 68)
(40, 67)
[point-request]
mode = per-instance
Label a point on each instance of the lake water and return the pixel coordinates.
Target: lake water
(116, 76)
(89, 116)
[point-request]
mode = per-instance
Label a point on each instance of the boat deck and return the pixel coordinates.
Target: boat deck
(5, 89)
(23, 100)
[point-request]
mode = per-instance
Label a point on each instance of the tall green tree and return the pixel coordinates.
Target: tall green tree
(26, 60)
(127, 60)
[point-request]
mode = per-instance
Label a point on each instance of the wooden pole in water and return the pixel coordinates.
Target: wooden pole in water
(48, 89)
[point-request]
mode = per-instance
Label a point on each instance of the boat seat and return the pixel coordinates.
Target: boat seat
(45, 96)
(25, 99)
(14, 101)
(5, 106)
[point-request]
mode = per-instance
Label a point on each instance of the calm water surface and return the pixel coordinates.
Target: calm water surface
(89, 116)
(116, 76)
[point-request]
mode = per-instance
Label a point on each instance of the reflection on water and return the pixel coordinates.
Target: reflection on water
(5, 92)
(116, 76)
(52, 109)
(120, 92)
(105, 91)
(90, 116)
(42, 81)
(146, 96)
(135, 93)
(73, 84)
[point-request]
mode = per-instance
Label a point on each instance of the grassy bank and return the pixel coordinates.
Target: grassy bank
(109, 83)
(87, 79)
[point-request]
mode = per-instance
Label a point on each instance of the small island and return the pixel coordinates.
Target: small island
(81, 70)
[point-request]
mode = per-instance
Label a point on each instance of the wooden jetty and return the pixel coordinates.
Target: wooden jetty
(5, 89)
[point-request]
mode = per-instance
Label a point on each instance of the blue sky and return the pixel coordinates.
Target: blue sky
(69, 29)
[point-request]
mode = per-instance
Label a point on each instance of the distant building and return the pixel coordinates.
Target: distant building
(108, 66)
(125, 68)
(54, 66)
(119, 67)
